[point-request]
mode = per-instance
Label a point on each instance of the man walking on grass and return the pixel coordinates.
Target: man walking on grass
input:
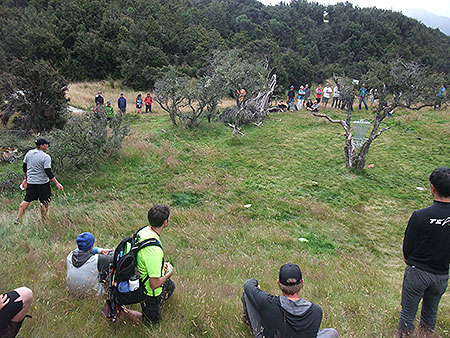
(426, 251)
(283, 316)
(37, 166)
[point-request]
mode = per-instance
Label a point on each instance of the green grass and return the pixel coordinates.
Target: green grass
(292, 173)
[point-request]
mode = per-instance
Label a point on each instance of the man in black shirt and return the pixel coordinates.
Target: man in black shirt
(290, 98)
(426, 251)
(283, 316)
(99, 100)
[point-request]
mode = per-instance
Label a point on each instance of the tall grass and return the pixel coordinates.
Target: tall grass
(292, 173)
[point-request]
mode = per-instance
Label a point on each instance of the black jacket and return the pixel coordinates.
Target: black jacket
(281, 317)
(426, 244)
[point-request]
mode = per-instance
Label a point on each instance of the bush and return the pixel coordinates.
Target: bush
(36, 92)
(9, 181)
(85, 140)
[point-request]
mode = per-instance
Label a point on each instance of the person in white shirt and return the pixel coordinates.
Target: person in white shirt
(336, 97)
(326, 94)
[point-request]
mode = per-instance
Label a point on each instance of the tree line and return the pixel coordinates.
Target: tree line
(135, 40)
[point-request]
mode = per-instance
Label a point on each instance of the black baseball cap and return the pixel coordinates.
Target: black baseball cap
(288, 271)
(40, 141)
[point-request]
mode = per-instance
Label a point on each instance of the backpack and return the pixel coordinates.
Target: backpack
(124, 266)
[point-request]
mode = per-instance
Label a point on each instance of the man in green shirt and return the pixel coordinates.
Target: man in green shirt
(150, 262)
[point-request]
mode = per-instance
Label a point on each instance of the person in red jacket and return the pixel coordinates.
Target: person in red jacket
(148, 103)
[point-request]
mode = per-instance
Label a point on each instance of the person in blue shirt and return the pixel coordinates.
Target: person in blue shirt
(122, 103)
(439, 97)
(362, 96)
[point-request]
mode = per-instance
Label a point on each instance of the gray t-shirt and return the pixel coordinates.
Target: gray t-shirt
(37, 160)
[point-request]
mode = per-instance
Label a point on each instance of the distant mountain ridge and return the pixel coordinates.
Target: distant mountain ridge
(135, 40)
(429, 19)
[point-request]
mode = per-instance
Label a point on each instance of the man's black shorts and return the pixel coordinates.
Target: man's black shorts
(38, 191)
(10, 310)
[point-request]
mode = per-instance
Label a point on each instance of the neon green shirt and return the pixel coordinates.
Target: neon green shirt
(109, 111)
(150, 261)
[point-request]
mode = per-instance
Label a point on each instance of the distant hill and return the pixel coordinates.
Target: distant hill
(429, 19)
(134, 40)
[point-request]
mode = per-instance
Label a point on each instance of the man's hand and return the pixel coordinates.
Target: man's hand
(3, 301)
(60, 186)
(105, 251)
(168, 268)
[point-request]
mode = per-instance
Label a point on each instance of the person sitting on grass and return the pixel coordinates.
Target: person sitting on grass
(282, 106)
(312, 107)
(87, 266)
(14, 306)
(283, 316)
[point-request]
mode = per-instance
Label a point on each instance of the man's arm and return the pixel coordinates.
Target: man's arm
(157, 282)
(49, 173)
(152, 258)
(254, 293)
(410, 238)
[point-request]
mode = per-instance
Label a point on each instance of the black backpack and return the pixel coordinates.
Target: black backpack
(124, 266)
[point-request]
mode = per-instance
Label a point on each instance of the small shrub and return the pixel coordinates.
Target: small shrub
(9, 181)
(85, 140)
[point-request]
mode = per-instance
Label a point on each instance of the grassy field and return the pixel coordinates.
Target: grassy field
(292, 173)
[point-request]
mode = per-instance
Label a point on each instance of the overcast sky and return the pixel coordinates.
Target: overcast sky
(438, 7)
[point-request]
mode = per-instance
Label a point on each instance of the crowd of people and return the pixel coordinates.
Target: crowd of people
(310, 100)
(108, 110)
(296, 100)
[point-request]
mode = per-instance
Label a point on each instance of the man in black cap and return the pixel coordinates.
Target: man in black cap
(37, 166)
(283, 316)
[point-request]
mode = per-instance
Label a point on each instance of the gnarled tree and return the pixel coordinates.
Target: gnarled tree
(399, 84)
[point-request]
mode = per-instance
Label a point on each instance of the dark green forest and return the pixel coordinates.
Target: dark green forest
(134, 40)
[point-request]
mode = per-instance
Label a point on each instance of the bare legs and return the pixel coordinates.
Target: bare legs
(26, 296)
(24, 206)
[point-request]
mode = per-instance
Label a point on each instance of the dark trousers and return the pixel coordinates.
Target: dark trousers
(417, 285)
(151, 306)
(148, 108)
(335, 102)
(362, 100)
(252, 316)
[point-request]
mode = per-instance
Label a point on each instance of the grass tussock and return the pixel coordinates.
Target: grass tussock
(239, 208)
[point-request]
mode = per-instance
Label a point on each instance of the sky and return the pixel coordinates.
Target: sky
(438, 7)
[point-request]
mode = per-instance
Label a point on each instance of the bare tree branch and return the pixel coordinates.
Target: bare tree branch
(342, 123)
(381, 131)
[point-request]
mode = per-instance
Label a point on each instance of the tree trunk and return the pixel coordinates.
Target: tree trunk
(173, 118)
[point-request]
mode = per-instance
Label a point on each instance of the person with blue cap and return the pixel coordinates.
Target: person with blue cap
(87, 266)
